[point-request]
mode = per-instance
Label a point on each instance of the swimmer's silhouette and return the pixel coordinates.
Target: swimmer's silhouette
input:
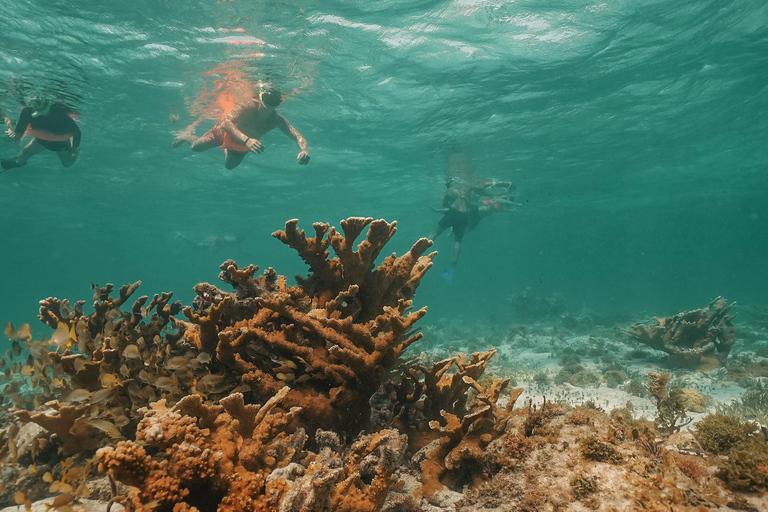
(467, 200)
(52, 128)
(242, 128)
(216, 243)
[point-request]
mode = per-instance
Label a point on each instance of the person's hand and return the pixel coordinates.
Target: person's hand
(254, 145)
(11, 134)
(303, 158)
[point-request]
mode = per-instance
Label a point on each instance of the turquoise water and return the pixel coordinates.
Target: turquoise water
(635, 131)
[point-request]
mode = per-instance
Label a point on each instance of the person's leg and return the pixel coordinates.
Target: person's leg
(34, 147)
(448, 272)
(439, 230)
(456, 249)
(233, 158)
(211, 139)
(444, 223)
(459, 229)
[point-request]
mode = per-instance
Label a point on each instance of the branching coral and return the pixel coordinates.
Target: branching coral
(420, 393)
(460, 456)
(700, 338)
(333, 338)
(233, 457)
(108, 363)
(212, 456)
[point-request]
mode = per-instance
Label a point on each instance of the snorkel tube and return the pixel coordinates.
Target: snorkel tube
(40, 105)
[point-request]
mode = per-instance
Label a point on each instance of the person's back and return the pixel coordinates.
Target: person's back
(56, 121)
(51, 127)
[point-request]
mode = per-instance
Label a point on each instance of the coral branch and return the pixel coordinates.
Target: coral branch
(334, 338)
(701, 338)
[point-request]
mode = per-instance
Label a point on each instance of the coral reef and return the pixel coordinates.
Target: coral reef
(273, 397)
(420, 394)
(460, 455)
(568, 462)
(529, 306)
(234, 457)
(210, 456)
(333, 338)
(104, 366)
(701, 338)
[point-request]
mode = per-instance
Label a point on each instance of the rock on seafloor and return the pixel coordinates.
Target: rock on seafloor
(82, 505)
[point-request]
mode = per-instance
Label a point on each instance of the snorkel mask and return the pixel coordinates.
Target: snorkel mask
(270, 98)
(40, 105)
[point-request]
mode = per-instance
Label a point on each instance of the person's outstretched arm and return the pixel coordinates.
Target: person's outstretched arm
(293, 133)
(21, 125)
(7, 120)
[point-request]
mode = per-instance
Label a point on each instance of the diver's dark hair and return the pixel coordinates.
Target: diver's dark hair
(271, 96)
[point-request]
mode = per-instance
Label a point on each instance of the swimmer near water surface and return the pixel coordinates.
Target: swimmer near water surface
(51, 127)
(241, 130)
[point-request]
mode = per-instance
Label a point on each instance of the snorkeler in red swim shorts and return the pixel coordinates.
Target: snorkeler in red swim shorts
(240, 131)
(51, 127)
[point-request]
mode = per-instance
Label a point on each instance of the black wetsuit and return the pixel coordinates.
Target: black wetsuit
(56, 122)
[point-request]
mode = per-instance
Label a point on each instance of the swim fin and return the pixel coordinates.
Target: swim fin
(10, 163)
(448, 272)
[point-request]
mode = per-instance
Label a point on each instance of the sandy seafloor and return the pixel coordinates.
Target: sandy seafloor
(526, 350)
(533, 354)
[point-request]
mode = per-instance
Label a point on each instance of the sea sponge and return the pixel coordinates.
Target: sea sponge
(718, 433)
(594, 449)
(576, 375)
(583, 485)
(615, 378)
(693, 400)
(746, 468)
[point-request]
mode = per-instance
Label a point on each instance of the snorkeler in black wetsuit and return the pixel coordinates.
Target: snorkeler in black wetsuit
(51, 127)
(459, 212)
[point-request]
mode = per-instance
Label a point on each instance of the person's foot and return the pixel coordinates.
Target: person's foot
(448, 273)
(178, 141)
(11, 163)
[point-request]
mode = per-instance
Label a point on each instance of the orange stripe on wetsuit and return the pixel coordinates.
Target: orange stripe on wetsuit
(56, 126)
(42, 134)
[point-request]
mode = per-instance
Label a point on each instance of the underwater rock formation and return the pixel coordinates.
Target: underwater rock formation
(701, 338)
(333, 338)
(530, 306)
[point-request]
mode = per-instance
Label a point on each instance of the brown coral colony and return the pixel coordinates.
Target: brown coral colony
(333, 338)
(259, 400)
